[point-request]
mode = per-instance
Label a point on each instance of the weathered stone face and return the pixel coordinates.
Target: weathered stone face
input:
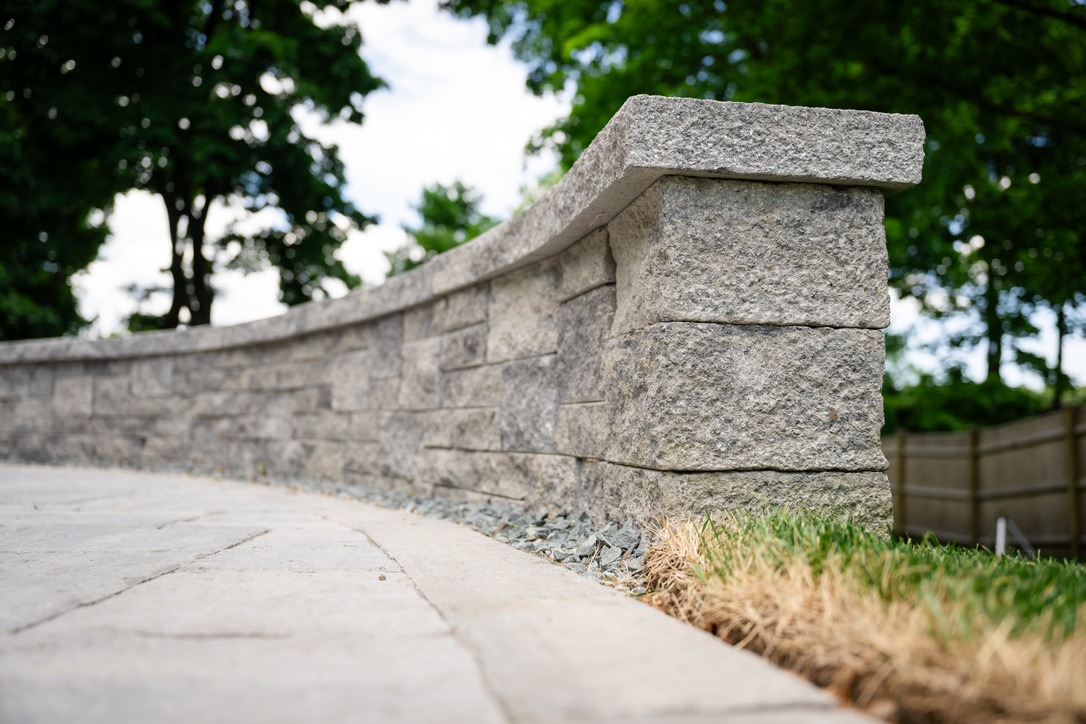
(529, 408)
(693, 396)
(618, 492)
(696, 250)
(584, 324)
(685, 323)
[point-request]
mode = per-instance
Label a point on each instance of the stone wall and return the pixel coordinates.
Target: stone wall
(688, 321)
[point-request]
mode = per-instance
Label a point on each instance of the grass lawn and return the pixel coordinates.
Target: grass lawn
(910, 631)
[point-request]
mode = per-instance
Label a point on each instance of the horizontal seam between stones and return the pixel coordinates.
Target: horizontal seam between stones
(804, 471)
(496, 363)
(768, 325)
(563, 300)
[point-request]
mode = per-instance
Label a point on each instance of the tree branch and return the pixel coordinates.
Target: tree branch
(212, 20)
(980, 101)
(1075, 20)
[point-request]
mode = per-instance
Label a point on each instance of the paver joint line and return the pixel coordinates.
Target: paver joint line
(479, 664)
(102, 599)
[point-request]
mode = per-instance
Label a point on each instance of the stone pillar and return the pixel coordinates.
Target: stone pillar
(744, 366)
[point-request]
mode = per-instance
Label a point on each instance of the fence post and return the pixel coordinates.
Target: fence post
(974, 486)
(900, 512)
(1071, 467)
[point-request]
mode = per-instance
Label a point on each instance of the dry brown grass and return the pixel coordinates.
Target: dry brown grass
(894, 658)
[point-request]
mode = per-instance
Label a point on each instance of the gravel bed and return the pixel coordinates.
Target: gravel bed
(611, 553)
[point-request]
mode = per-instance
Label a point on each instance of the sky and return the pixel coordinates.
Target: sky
(455, 109)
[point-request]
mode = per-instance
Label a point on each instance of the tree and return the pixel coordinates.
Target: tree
(202, 103)
(49, 184)
(993, 232)
(450, 216)
(47, 239)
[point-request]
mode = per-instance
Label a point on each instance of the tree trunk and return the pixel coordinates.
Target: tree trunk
(993, 328)
(177, 270)
(191, 282)
(200, 304)
(1060, 383)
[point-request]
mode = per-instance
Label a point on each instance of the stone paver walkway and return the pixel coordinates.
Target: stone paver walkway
(137, 597)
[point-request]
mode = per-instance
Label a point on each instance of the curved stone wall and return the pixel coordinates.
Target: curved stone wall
(689, 320)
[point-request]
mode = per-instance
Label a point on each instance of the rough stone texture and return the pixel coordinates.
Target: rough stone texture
(524, 314)
(585, 266)
(695, 250)
(475, 387)
(421, 388)
(583, 430)
(463, 308)
(73, 396)
(662, 307)
(464, 347)
(536, 479)
(152, 378)
(401, 443)
(471, 429)
(689, 396)
(529, 407)
(420, 321)
(619, 492)
(584, 324)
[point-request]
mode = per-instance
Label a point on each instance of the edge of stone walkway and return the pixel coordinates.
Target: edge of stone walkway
(551, 645)
(558, 647)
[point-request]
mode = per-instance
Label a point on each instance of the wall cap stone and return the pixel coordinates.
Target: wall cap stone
(649, 137)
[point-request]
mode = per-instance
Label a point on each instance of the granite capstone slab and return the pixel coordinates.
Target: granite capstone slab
(649, 137)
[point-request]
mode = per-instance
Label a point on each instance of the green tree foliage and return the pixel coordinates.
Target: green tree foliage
(993, 232)
(46, 238)
(956, 403)
(450, 216)
(50, 182)
(199, 102)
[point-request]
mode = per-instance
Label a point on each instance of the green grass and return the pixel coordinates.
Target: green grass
(913, 631)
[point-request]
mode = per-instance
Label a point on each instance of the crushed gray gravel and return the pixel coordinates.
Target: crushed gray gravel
(611, 553)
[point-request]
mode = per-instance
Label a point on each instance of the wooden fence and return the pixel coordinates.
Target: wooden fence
(956, 484)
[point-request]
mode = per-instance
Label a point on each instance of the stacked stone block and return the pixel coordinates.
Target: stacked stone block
(666, 333)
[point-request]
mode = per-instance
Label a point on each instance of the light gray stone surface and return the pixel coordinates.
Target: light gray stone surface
(620, 492)
(584, 324)
(585, 266)
(583, 429)
(142, 597)
(524, 314)
(691, 396)
(529, 407)
(699, 250)
(465, 347)
(475, 428)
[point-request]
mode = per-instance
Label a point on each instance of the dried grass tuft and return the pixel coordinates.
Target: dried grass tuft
(904, 657)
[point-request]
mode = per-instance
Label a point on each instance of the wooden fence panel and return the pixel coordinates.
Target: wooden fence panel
(955, 485)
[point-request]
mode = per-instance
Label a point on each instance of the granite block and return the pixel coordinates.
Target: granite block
(529, 405)
(688, 396)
